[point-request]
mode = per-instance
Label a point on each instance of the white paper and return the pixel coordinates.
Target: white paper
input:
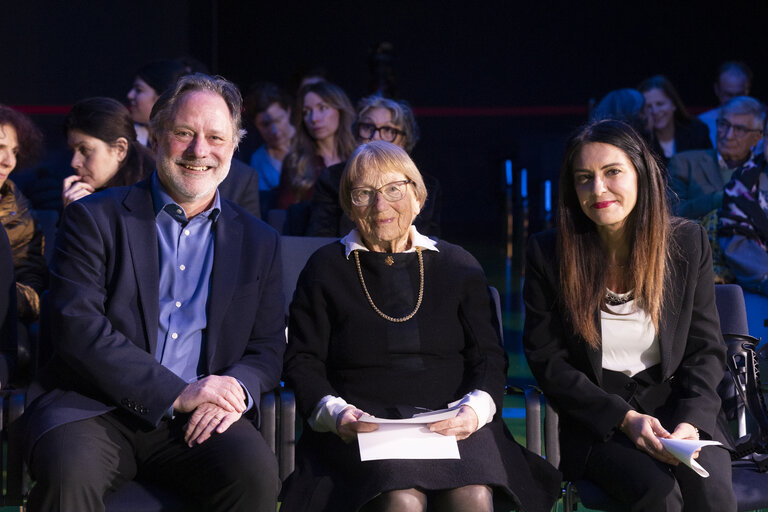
(406, 440)
(683, 449)
(421, 418)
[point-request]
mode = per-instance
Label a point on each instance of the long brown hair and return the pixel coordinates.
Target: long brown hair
(300, 162)
(583, 263)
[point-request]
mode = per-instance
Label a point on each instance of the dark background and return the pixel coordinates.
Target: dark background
(493, 55)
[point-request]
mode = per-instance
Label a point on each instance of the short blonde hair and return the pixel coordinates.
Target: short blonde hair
(377, 157)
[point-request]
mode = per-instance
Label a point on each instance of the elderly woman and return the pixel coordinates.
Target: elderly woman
(377, 119)
(621, 330)
(20, 142)
(389, 322)
(105, 151)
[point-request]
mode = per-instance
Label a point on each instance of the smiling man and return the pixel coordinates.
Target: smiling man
(168, 313)
(698, 177)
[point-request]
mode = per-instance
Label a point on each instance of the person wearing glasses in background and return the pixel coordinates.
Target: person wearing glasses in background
(698, 177)
(377, 119)
(396, 323)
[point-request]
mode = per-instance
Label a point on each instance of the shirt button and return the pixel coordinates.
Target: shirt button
(174, 335)
(186, 232)
(182, 267)
(178, 210)
(178, 304)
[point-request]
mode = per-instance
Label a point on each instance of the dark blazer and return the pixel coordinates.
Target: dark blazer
(695, 177)
(104, 312)
(8, 323)
(692, 135)
(570, 373)
(241, 186)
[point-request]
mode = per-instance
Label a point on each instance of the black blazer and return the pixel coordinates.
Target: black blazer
(104, 312)
(570, 373)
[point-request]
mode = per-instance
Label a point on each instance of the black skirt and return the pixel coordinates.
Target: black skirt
(329, 475)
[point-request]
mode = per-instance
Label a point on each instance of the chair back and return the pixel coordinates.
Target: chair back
(296, 250)
(731, 309)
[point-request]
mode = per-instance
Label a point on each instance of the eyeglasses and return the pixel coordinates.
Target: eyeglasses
(387, 133)
(366, 196)
(738, 130)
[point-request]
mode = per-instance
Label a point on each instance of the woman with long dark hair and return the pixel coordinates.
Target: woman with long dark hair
(323, 138)
(621, 330)
(105, 151)
(673, 129)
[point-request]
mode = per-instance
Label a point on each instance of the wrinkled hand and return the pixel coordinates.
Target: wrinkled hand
(462, 425)
(347, 425)
(207, 419)
(73, 189)
(222, 391)
(643, 430)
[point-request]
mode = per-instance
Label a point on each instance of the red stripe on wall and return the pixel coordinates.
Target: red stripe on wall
(44, 110)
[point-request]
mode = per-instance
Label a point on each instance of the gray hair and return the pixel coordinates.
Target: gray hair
(165, 108)
(745, 105)
(402, 116)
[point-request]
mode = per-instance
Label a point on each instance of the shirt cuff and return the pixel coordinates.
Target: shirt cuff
(248, 397)
(480, 402)
(328, 409)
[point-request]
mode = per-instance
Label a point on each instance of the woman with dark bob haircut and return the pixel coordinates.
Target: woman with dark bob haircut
(621, 330)
(105, 151)
(672, 128)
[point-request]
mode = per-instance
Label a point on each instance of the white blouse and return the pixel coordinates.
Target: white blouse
(629, 341)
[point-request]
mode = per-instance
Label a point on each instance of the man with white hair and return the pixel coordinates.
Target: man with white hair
(698, 177)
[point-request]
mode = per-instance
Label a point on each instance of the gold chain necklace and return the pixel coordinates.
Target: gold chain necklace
(370, 300)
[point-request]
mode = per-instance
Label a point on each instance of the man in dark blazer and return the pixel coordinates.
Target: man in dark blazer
(167, 308)
(698, 177)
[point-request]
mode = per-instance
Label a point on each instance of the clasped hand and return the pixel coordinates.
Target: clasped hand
(462, 425)
(216, 402)
(644, 430)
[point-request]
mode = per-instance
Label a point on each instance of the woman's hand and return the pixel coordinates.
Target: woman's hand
(73, 189)
(686, 431)
(347, 425)
(462, 425)
(643, 430)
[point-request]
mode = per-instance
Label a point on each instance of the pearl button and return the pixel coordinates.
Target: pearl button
(178, 210)
(182, 267)
(178, 304)
(186, 232)
(174, 335)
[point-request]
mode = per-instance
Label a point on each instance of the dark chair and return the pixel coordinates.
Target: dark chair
(296, 250)
(749, 485)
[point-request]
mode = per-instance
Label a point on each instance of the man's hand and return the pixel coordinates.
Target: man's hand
(462, 425)
(224, 392)
(207, 419)
(73, 189)
(347, 425)
(643, 430)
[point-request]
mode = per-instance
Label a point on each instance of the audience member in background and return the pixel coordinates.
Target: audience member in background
(242, 183)
(378, 119)
(673, 129)
(698, 177)
(623, 105)
(444, 350)
(269, 108)
(106, 154)
(743, 233)
(150, 82)
(8, 318)
(621, 330)
(733, 79)
(20, 143)
(323, 138)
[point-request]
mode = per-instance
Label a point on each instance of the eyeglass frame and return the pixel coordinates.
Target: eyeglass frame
(375, 129)
(739, 130)
(377, 191)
